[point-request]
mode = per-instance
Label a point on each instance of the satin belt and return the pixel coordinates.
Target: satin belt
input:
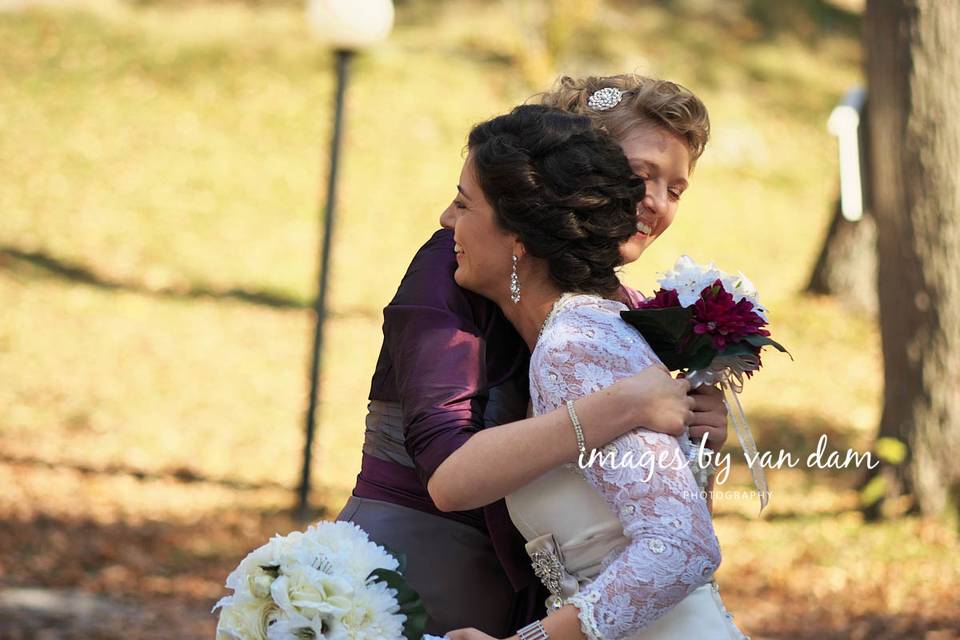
(700, 615)
(383, 437)
(384, 434)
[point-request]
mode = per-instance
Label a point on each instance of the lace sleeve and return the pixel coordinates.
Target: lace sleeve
(673, 548)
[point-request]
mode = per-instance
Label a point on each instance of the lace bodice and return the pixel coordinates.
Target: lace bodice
(672, 549)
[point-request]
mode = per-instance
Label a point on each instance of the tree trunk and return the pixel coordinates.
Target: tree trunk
(913, 74)
(847, 264)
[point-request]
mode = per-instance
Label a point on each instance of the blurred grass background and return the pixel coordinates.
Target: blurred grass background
(161, 167)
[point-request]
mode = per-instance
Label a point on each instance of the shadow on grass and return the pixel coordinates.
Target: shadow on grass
(67, 552)
(18, 260)
(182, 474)
(13, 259)
(146, 579)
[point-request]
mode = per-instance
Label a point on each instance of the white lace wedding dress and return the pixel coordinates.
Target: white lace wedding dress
(633, 548)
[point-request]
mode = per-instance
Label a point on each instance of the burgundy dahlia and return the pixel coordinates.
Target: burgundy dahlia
(662, 299)
(725, 321)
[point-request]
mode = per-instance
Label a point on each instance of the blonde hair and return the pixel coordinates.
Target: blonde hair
(646, 101)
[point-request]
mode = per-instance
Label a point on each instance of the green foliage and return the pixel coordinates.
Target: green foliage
(873, 491)
(766, 341)
(890, 450)
(664, 330)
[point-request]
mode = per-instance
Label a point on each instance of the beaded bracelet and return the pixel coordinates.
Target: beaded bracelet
(581, 444)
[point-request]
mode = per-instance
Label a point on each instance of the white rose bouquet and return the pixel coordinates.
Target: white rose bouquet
(330, 582)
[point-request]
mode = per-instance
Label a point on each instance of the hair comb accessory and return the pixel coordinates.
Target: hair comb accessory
(606, 98)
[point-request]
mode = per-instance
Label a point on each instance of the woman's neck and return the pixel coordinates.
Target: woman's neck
(528, 315)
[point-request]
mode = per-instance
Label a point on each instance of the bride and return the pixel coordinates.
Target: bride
(625, 544)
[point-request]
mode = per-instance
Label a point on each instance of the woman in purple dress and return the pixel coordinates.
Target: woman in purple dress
(446, 434)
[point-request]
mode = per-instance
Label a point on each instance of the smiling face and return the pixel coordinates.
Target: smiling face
(662, 160)
(484, 249)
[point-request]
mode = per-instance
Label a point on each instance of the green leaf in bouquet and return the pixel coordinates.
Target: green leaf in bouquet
(664, 330)
(670, 324)
(739, 349)
(672, 359)
(765, 341)
(697, 342)
(409, 600)
(701, 358)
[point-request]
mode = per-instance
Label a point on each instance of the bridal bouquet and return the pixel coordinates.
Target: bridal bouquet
(710, 325)
(330, 582)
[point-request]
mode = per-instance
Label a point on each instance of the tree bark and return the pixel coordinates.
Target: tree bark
(913, 74)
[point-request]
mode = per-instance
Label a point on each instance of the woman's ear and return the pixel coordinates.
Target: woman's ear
(519, 249)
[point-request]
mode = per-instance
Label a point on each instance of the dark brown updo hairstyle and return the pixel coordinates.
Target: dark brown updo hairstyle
(564, 188)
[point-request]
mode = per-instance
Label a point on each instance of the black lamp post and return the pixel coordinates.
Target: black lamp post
(346, 26)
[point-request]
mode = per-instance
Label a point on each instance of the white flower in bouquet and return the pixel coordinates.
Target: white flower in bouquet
(293, 626)
(246, 618)
(740, 287)
(688, 279)
(354, 554)
(316, 584)
(365, 619)
(301, 589)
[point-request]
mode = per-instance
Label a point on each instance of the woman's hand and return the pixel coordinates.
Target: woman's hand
(657, 401)
(709, 416)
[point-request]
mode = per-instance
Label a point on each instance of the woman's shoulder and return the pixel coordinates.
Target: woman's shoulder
(430, 274)
(590, 322)
(578, 308)
(428, 290)
(429, 281)
(585, 342)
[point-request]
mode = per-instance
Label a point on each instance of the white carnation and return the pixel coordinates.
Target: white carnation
(349, 549)
(373, 614)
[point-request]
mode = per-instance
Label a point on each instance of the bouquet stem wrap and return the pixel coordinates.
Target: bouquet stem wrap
(728, 372)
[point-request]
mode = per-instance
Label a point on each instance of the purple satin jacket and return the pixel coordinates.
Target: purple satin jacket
(446, 351)
(456, 366)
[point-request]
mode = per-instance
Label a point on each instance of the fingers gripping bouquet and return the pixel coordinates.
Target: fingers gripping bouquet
(328, 582)
(709, 325)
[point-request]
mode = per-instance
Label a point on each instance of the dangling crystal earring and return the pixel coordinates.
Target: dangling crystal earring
(514, 283)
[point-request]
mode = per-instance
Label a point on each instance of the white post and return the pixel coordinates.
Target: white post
(844, 123)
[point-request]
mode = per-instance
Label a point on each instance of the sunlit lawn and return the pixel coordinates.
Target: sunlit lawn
(162, 165)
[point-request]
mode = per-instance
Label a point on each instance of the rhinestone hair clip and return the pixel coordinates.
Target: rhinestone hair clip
(604, 99)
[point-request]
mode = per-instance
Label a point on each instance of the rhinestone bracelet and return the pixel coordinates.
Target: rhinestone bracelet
(533, 631)
(581, 444)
